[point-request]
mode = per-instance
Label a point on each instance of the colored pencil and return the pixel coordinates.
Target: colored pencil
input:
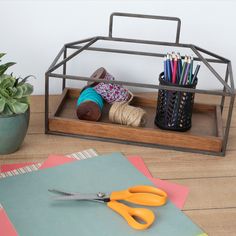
(171, 63)
(195, 73)
(179, 67)
(186, 72)
(165, 69)
(178, 72)
(172, 60)
(183, 70)
(168, 68)
(190, 71)
(174, 70)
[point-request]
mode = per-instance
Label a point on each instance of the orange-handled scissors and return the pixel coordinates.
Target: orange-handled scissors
(141, 195)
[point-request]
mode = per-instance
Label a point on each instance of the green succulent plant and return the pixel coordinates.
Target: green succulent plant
(14, 92)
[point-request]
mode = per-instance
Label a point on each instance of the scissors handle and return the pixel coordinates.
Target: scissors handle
(142, 195)
(144, 215)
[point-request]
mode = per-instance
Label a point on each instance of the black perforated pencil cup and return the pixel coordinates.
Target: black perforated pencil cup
(174, 108)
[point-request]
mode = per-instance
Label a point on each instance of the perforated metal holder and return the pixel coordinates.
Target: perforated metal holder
(174, 108)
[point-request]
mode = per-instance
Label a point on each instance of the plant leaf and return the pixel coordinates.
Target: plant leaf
(24, 100)
(16, 82)
(12, 91)
(2, 104)
(7, 111)
(4, 76)
(19, 92)
(23, 81)
(8, 81)
(4, 67)
(2, 54)
(18, 107)
(4, 93)
(28, 89)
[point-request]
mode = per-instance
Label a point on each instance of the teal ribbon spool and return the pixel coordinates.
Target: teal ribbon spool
(90, 94)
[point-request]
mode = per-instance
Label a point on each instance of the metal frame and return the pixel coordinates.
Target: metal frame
(227, 91)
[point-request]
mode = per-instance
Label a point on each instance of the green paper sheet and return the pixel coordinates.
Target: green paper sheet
(31, 209)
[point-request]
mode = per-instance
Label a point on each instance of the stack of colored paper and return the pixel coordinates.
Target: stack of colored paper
(177, 194)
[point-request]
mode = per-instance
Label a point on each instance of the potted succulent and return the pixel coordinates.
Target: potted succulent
(14, 109)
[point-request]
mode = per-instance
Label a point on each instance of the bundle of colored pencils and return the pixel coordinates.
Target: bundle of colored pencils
(178, 72)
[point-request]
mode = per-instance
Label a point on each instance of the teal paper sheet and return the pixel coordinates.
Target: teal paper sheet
(31, 209)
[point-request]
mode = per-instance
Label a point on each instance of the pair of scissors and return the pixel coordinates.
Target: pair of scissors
(141, 195)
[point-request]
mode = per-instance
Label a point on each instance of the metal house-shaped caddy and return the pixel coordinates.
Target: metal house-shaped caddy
(211, 139)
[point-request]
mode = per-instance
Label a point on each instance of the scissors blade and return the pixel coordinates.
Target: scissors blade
(81, 197)
(60, 192)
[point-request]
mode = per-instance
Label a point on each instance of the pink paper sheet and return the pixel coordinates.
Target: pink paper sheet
(10, 167)
(6, 227)
(176, 193)
(138, 162)
(55, 160)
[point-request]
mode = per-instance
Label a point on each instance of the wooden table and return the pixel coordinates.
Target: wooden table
(211, 180)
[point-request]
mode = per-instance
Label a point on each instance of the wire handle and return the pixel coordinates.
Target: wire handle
(131, 215)
(166, 18)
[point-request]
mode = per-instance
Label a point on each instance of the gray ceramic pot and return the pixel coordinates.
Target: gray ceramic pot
(12, 131)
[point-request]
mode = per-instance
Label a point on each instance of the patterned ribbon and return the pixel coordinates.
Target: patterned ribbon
(112, 92)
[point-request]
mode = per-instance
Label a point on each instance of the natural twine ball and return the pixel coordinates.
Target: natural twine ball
(123, 113)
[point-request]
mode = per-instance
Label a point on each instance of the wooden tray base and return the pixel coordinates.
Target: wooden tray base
(205, 134)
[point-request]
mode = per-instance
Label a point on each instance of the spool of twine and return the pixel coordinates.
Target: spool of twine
(125, 114)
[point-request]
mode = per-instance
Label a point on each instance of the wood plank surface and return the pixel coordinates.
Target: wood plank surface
(216, 222)
(212, 199)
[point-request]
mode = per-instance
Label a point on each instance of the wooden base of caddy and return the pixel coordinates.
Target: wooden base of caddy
(205, 134)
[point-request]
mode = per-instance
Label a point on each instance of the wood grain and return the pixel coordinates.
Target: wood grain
(204, 134)
(215, 222)
(141, 135)
(162, 163)
(212, 200)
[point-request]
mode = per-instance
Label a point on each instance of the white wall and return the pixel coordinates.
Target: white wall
(32, 33)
